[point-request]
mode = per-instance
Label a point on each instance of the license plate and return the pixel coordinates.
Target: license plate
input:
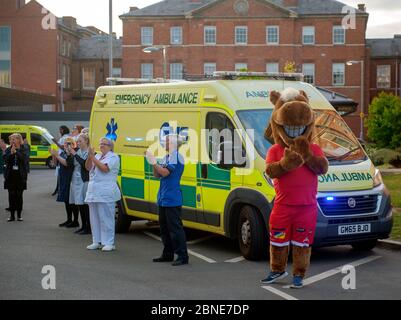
(354, 229)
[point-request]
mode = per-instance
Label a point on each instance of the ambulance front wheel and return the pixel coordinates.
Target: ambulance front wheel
(123, 222)
(252, 234)
(50, 163)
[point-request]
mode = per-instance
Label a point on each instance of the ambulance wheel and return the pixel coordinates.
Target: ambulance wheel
(50, 163)
(252, 234)
(364, 245)
(123, 221)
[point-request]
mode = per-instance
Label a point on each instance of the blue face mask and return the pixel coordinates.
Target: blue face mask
(294, 131)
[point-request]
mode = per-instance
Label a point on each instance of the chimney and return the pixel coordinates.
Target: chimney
(362, 7)
(70, 22)
(20, 4)
(132, 9)
(290, 3)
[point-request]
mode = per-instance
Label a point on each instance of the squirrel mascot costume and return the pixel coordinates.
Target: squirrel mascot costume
(294, 164)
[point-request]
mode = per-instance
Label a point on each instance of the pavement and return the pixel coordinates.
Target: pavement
(216, 270)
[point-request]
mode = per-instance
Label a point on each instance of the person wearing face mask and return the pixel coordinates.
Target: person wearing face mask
(65, 176)
(79, 181)
(16, 174)
(103, 192)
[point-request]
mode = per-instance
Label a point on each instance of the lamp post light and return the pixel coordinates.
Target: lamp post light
(61, 83)
(362, 114)
(155, 49)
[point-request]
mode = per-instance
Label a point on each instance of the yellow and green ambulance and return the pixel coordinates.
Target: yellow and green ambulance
(38, 138)
(234, 198)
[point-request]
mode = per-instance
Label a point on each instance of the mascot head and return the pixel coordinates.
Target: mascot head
(292, 117)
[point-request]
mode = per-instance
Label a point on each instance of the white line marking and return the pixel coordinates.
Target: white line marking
(334, 271)
(196, 241)
(152, 236)
(195, 254)
(279, 293)
(201, 256)
(235, 260)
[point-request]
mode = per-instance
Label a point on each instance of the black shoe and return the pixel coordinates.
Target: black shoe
(20, 219)
(8, 209)
(79, 231)
(55, 192)
(85, 231)
(11, 219)
(64, 223)
(179, 262)
(163, 259)
(73, 224)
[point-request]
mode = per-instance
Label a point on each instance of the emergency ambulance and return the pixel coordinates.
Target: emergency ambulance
(38, 138)
(234, 198)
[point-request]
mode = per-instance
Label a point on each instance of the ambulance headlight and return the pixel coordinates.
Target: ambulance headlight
(377, 180)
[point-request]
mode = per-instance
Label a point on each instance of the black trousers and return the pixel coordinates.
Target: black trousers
(15, 200)
(172, 233)
(84, 212)
(72, 210)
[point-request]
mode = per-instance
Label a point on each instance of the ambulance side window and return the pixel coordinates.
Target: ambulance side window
(38, 140)
(217, 123)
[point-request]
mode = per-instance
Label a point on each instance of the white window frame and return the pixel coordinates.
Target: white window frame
(145, 41)
(276, 69)
(277, 28)
(380, 85)
(333, 74)
(335, 28)
(143, 71)
(173, 35)
(115, 73)
(241, 65)
(306, 31)
(237, 28)
(313, 68)
(176, 71)
(209, 65)
(84, 86)
(210, 28)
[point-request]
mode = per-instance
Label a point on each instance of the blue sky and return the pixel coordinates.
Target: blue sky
(384, 20)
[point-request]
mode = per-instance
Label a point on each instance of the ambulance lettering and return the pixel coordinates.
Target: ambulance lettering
(346, 177)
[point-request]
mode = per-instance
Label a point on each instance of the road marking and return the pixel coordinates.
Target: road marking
(193, 253)
(334, 271)
(279, 293)
(201, 256)
(196, 241)
(235, 260)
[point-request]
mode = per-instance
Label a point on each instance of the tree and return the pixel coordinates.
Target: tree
(384, 122)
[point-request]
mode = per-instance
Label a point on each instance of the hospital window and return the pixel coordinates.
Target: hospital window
(210, 35)
(116, 73)
(308, 35)
(5, 56)
(147, 36)
(241, 67)
(272, 67)
(272, 35)
(88, 75)
(338, 35)
(176, 35)
(147, 71)
(176, 71)
(241, 35)
(384, 77)
(308, 70)
(209, 68)
(338, 74)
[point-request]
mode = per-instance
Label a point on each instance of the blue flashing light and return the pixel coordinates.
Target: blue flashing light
(330, 198)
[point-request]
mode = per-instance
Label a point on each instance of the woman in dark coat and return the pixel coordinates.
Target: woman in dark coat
(65, 176)
(16, 174)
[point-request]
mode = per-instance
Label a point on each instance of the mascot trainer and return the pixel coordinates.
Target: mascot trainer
(294, 164)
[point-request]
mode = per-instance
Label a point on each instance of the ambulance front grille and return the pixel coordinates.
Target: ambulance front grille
(344, 206)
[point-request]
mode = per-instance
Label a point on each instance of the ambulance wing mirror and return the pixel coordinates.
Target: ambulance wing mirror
(229, 156)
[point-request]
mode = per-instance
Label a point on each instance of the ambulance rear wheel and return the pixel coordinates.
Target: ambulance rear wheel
(252, 234)
(123, 221)
(50, 163)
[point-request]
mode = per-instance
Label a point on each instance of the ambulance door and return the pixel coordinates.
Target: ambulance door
(39, 148)
(216, 181)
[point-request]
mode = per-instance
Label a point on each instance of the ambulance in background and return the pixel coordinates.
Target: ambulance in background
(38, 138)
(235, 199)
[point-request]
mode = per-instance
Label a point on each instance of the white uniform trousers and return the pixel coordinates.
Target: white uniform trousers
(102, 218)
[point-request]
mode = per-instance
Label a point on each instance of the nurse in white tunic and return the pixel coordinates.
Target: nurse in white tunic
(102, 194)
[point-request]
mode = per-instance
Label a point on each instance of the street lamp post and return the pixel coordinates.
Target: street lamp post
(155, 49)
(61, 83)
(110, 40)
(362, 114)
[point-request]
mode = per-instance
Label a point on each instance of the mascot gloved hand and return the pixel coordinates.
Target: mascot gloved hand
(294, 164)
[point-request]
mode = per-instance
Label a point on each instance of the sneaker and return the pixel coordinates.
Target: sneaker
(297, 282)
(274, 276)
(94, 246)
(108, 248)
(179, 262)
(20, 219)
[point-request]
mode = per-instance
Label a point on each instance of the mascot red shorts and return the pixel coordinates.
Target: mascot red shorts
(293, 224)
